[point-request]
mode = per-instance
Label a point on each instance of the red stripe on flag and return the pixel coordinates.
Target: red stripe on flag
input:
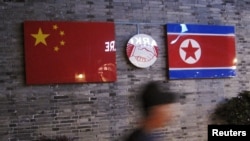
(216, 51)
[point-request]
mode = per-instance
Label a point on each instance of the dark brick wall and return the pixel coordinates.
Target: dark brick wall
(108, 111)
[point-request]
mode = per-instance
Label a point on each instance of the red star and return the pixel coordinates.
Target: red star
(190, 51)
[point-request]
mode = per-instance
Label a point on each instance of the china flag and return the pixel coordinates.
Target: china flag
(69, 52)
(200, 51)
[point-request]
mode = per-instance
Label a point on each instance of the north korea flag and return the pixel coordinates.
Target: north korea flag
(200, 51)
(69, 52)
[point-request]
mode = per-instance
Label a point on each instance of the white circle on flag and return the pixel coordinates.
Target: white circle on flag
(142, 50)
(190, 51)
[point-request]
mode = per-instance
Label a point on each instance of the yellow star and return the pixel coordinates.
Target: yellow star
(62, 43)
(62, 33)
(40, 37)
(55, 27)
(56, 48)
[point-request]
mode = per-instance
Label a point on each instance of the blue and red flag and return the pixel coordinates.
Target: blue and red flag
(200, 51)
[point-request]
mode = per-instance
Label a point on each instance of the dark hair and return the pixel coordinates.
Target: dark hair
(152, 96)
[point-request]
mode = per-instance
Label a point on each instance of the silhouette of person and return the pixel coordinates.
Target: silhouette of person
(157, 110)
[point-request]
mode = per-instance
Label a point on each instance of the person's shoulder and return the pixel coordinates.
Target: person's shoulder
(134, 135)
(137, 135)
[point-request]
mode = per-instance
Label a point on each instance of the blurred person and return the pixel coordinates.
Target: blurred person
(157, 109)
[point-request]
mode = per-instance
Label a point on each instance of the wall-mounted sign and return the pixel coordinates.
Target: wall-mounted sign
(201, 51)
(69, 52)
(142, 50)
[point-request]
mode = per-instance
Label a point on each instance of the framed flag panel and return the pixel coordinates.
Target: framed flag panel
(69, 52)
(200, 51)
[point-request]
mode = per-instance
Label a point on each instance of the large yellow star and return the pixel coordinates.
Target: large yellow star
(40, 37)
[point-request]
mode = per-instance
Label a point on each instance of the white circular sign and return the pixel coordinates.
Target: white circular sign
(190, 51)
(142, 50)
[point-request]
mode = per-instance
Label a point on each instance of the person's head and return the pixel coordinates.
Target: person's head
(156, 104)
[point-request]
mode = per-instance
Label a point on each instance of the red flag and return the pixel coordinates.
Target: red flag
(201, 51)
(69, 52)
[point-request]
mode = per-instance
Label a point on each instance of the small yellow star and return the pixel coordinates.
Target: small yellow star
(56, 48)
(40, 37)
(62, 33)
(62, 43)
(55, 27)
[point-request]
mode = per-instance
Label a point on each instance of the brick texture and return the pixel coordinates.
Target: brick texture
(109, 111)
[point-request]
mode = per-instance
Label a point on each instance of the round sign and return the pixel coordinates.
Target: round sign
(142, 50)
(190, 51)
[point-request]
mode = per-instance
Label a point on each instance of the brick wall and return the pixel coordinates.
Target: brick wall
(109, 111)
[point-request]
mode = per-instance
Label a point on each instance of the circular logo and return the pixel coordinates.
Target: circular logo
(190, 51)
(142, 50)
